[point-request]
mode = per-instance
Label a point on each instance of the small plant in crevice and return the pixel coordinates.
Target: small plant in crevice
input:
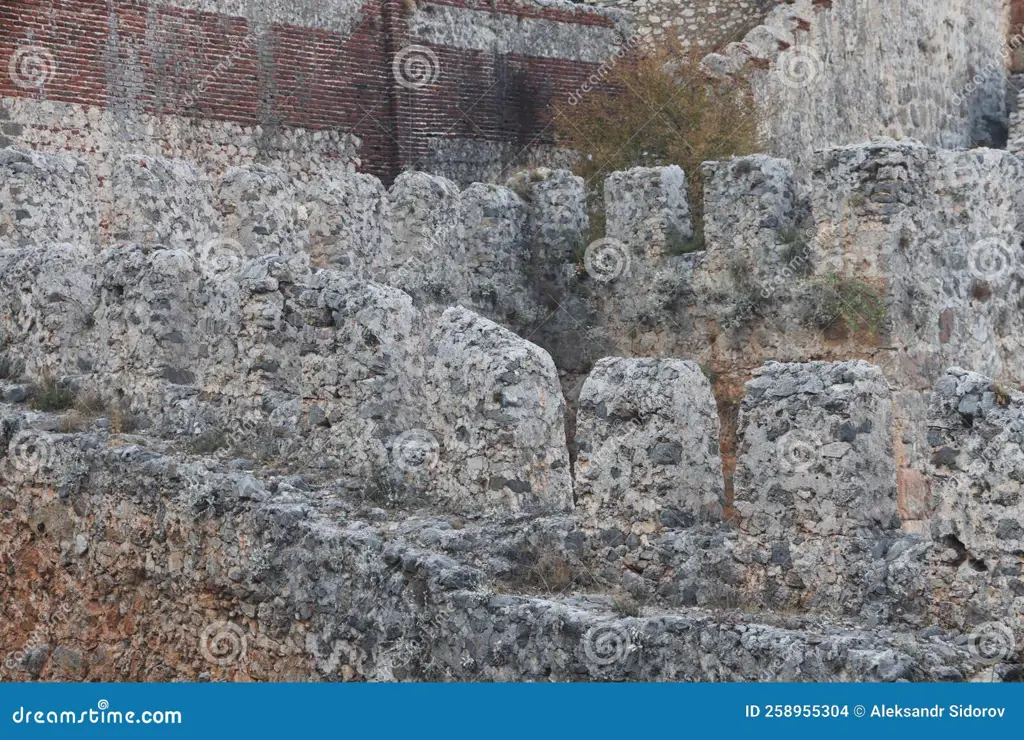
(11, 368)
(121, 418)
(795, 251)
(749, 298)
(625, 605)
(855, 304)
(382, 490)
(208, 442)
(677, 245)
(546, 570)
(709, 372)
(51, 394)
(1002, 394)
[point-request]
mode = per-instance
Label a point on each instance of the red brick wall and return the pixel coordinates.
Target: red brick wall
(1016, 35)
(160, 59)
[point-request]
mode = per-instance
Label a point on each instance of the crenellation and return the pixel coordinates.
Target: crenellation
(348, 217)
(428, 259)
(647, 446)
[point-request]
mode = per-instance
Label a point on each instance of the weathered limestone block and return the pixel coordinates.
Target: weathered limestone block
(976, 433)
(498, 411)
(429, 258)
(321, 369)
(498, 254)
(160, 201)
(45, 198)
(968, 260)
(865, 199)
(148, 339)
(935, 232)
(640, 274)
(261, 212)
(362, 371)
(647, 435)
(750, 213)
(47, 296)
(976, 438)
(556, 202)
(349, 224)
(815, 456)
(648, 210)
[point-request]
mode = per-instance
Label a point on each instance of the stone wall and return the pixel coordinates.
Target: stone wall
(304, 86)
(693, 24)
(810, 61)
(430, 459)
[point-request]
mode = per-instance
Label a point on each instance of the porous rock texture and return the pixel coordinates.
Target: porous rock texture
(815, 455)
(45, 198)
(156, 565)
(647, 445)
(501, 415)
(226, 427)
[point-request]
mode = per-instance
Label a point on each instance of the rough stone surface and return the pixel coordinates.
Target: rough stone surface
(349, 217)
(205, 428)
(647, 445)
(45, 198)
(429, 258)
(815, 454)
(160, 201)
(498, 254)
(500, 416)
(647, 208)
(950, 90)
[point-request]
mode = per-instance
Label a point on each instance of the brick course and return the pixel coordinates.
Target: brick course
(133, 57)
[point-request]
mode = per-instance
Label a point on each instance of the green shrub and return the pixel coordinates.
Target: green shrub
(51, 395)
(657, 108)
(859, 305)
